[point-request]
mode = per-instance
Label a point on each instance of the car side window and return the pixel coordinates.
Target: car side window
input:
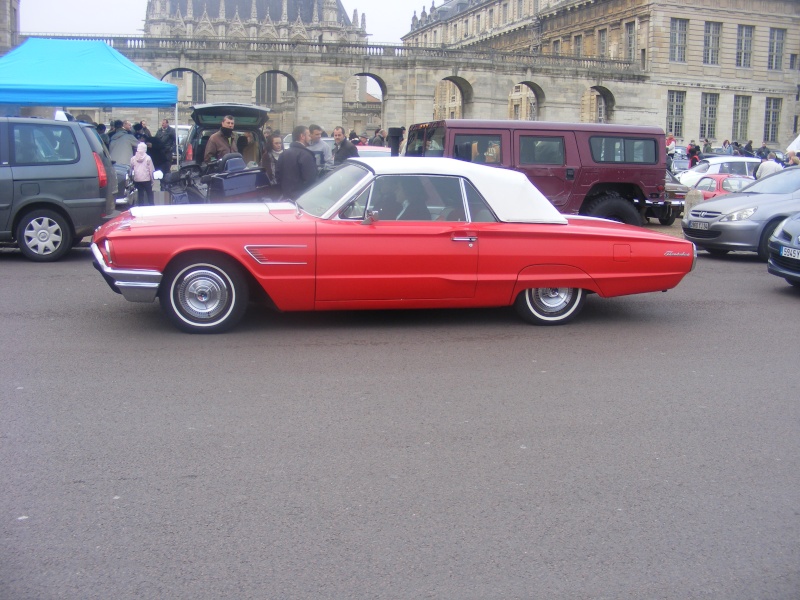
(356, 209)
(738, 168)
(536, 150)
(479, 211)
(400, 198)
(706, 185)
(478, 148)
(39, 143)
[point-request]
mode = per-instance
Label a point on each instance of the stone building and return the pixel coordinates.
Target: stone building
(727, 69)
(9, 24)
(315, 21)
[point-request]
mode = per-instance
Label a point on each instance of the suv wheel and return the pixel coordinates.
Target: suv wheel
(44, 235)
(614, 207)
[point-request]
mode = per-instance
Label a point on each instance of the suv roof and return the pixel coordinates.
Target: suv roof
(246, 115)
(540, 126)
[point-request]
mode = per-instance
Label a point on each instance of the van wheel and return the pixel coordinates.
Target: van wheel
(44, 235)
(614, 207)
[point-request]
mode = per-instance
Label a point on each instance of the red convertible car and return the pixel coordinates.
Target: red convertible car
(384, 233)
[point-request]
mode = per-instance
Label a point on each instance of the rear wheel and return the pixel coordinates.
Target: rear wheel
(204, 295)
(615, 208)
(550, 306)
(44, 235)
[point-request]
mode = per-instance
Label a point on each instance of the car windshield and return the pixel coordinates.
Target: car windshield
(783, 182)
(328, 191)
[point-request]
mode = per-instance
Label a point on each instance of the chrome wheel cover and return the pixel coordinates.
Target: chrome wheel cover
(550, 300)
(43, 236)
(203, 295)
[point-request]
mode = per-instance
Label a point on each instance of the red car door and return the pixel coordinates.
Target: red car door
(403, 255)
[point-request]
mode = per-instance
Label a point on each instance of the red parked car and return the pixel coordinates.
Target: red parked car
(384, 233)
(720, 184)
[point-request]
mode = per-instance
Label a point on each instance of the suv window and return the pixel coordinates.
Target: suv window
(478, 148)
(623, 150)
(535, 150)
(37, 144)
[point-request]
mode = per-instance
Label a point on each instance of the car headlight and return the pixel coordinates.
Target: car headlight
(740, 215)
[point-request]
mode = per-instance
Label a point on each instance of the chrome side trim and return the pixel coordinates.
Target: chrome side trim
(255, 252)
(135, 285)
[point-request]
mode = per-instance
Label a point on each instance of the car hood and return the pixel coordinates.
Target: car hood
(245, 115)
(218, 217)
(732, 202)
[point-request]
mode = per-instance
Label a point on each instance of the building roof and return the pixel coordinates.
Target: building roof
(304, 8)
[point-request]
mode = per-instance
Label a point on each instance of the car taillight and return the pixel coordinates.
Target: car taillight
(189, 152)
(101, 170)
(660, 187)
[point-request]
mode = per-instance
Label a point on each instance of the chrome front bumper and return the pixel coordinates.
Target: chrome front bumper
(135, 285)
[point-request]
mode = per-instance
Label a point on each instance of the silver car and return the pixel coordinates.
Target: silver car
(784, 251)
(744, 221)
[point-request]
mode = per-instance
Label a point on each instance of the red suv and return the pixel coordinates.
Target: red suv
(601, 170)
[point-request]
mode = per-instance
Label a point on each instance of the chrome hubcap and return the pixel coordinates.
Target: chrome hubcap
(43, 236)
(551, 299)
(203, 294)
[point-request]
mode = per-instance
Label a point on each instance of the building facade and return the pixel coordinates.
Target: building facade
(727, 69)
(9, 24)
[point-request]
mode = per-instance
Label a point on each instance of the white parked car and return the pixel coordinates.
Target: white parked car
(738, 165)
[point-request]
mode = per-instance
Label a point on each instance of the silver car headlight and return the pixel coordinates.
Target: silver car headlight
(740, 215)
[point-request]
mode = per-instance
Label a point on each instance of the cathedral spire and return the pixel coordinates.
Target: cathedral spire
(189, 9)
(254, 11)
(285, 13)
(222, 10)
(315, 15)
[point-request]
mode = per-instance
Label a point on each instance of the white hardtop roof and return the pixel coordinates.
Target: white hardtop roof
(712, 160)
(512, 197)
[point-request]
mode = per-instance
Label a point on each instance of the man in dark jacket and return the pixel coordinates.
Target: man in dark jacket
(297, 168)
(342, 147)
(221, 142)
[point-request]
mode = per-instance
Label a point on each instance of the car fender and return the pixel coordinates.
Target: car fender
(553, 275)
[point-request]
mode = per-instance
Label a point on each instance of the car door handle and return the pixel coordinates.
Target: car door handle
(466, 238)
(570, 174)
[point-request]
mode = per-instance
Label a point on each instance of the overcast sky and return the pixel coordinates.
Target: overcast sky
(387, 20)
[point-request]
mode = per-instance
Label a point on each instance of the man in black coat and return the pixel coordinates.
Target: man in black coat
(296, 169)
(342, 147)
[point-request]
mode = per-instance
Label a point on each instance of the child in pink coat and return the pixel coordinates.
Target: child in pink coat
(142, 170)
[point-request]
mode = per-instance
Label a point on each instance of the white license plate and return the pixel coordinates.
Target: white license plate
(790, 252)
(698, 225)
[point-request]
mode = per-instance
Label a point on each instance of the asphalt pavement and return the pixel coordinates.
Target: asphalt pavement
(649, 449)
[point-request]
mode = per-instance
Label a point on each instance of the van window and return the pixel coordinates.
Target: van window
(478, 148)
(623, 150)
(428, 141)
(37, 144)
(535, 150)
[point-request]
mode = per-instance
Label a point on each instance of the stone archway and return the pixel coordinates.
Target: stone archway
(526, 102)
(277, 90)
(452, 99)
(191, 90)
(363, 102)
(597, 105)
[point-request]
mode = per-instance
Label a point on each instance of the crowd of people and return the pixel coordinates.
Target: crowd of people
(769, 159)
(141, 150)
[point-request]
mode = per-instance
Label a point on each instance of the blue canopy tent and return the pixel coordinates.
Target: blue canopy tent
(54, 72)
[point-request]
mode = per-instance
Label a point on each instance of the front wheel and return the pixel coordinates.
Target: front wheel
(204, 295)
(44, 235)
(550, 306)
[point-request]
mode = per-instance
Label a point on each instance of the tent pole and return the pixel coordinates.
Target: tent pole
(177, 148)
